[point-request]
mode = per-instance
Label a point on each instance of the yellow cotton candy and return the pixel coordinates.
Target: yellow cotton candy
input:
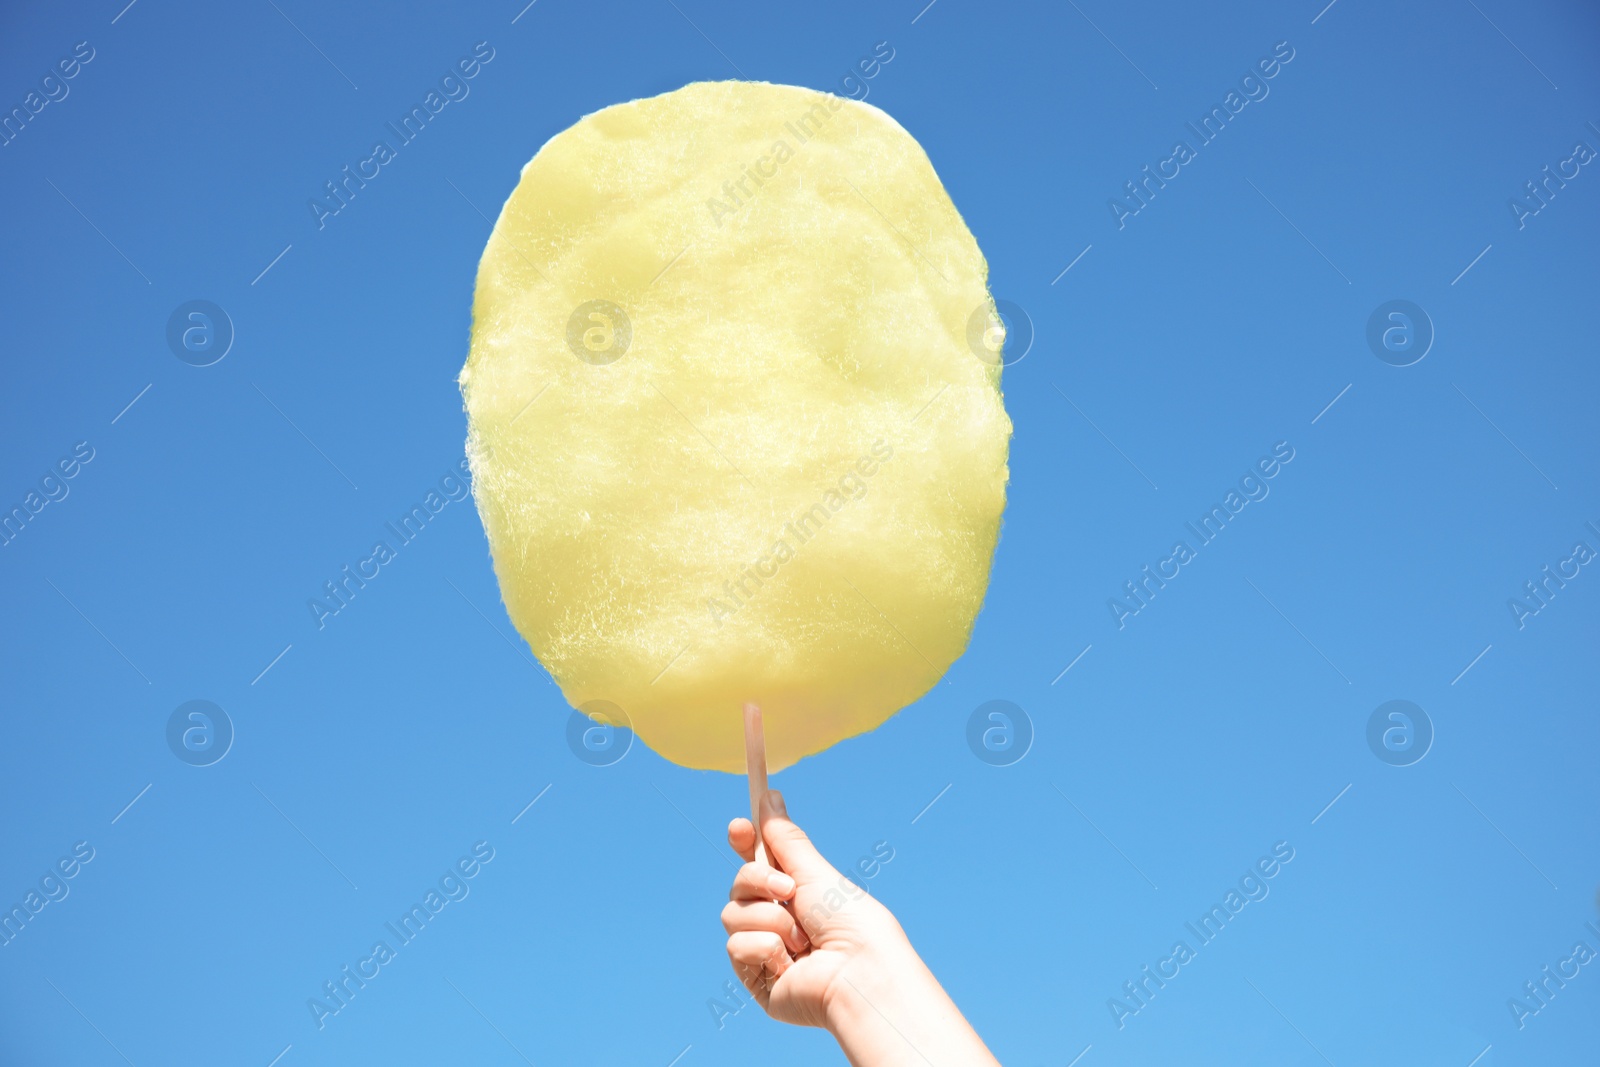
(736, 428)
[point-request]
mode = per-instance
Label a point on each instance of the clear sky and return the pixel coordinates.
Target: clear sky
(1440, 860)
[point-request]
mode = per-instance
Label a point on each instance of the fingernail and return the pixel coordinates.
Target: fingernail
(780, 884)
(777, 804)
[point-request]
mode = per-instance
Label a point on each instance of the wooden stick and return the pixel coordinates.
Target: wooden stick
(755, 766)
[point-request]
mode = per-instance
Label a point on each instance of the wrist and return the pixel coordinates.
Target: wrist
(874, 987)
(886, 1009)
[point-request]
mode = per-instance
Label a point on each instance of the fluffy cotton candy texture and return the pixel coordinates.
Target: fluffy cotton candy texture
(788, 488)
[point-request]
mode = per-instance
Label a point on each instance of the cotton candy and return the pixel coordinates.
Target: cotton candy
(730, 436)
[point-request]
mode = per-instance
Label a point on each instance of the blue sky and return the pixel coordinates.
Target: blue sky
(1175, 347)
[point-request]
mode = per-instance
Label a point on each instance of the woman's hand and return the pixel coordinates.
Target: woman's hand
(792, 930)
(815, 949)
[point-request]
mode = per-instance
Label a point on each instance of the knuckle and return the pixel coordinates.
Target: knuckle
(751, 880)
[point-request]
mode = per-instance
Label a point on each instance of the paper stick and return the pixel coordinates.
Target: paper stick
(755, 766)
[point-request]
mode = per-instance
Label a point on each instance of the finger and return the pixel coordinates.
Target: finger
(757, 881)
(745, 915)
(788, 844)
(759, 959)
(742, 838)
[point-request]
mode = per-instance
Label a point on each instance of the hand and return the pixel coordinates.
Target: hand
(793, 966)
(815, 949)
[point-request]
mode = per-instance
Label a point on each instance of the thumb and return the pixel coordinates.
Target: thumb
(788, 845)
